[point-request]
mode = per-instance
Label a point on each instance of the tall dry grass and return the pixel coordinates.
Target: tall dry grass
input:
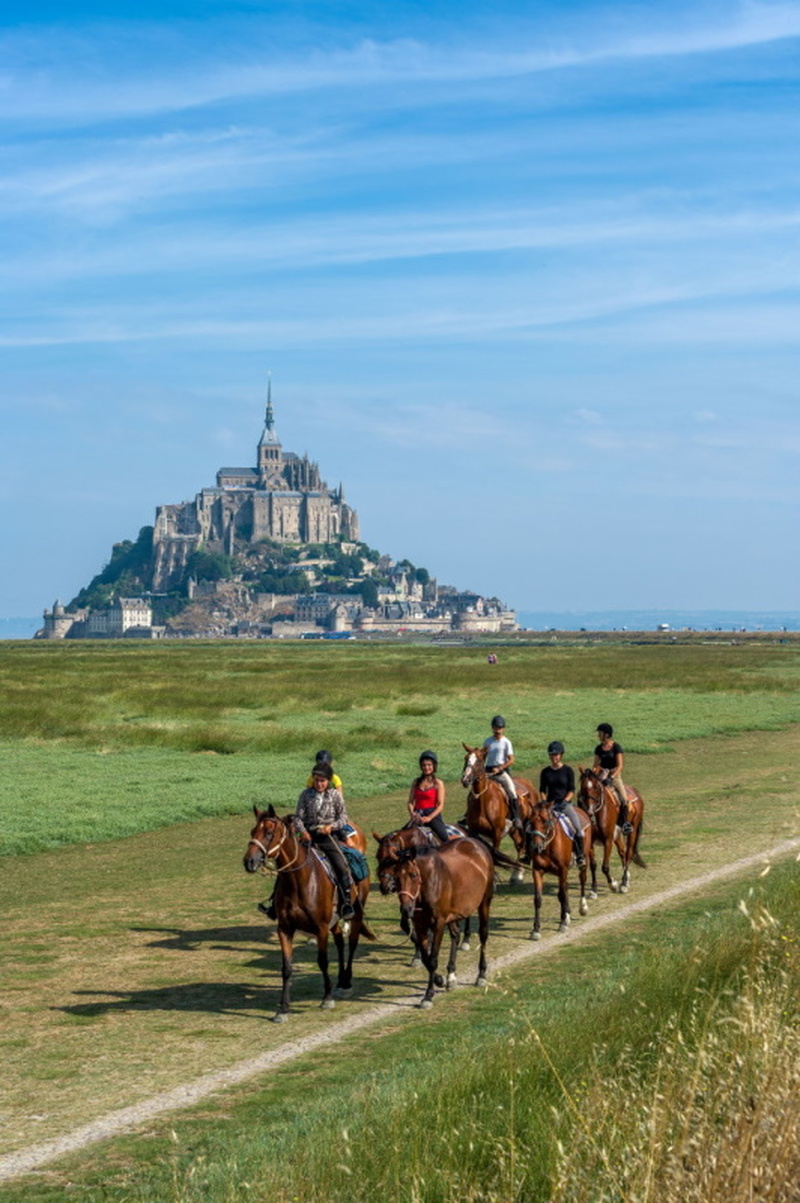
(716, 1116)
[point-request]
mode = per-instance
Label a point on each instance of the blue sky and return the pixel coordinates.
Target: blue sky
(525, 277)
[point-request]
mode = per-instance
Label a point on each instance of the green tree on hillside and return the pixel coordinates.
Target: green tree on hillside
(128, 573)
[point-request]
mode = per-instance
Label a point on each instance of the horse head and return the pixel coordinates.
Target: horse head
(590, 791)
(266, 838)
(540, 826)
(474, 761)
(406, 881)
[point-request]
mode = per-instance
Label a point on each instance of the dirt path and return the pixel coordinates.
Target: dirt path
(127, 1118)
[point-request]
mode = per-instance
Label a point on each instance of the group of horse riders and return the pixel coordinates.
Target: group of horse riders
(321, 816)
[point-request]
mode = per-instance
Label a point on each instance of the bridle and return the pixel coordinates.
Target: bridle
(269, 854)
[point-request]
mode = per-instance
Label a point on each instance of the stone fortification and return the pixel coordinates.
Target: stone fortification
(282, 498)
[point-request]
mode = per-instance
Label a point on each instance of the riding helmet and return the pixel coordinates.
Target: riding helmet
(323, 758)
(498, 721)
(429, 756)
(606, 728)
(555, 746)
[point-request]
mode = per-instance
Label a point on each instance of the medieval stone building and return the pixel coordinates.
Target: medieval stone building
(282, 498)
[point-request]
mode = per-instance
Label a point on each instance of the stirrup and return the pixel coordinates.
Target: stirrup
(626, 828)
(347, 911)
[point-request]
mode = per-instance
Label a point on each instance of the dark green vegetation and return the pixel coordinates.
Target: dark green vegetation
(266, 567)
(114, 722)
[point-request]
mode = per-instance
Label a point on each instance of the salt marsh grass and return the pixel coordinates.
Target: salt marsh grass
(159, 715)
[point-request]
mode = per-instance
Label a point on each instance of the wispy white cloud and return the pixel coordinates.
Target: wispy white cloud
(97, 74)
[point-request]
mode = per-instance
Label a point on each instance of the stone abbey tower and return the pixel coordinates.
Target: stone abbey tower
(282, 498)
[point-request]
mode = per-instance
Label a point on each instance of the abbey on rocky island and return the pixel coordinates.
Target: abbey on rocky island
(283, 498)
(267, 551)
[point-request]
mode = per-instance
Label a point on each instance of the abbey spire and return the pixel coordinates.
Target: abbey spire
(270, 453)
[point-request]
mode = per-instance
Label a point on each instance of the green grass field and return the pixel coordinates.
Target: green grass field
(133, 965)
(104, 740)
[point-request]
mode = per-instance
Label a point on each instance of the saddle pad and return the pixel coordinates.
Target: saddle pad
(566, 826)
(357, 862)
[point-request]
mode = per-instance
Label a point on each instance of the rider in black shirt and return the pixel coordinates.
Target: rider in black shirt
(608, 758)
(557, 786)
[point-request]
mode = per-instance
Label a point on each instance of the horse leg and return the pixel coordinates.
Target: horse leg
(464, 945)
(518, 840)
(483, 934)
(286, 970)
(613, 884)
(583, 905)
(322, 960)
(563, 897)
(344, 983)
(593, 866)
(431, 956)
(455, 937)
(536, 932)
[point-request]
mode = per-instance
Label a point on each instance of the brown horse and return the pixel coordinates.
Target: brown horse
(305, 900)
(600, 802)
(551, 852)
(487, 807)
(438, 888)
(391, 848)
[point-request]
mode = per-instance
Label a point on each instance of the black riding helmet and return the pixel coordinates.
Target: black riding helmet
(323, 757)
(555, 746)
(498, 721)
(429, 756)
(606, 728)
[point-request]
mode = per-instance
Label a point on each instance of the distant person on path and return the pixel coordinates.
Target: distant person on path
(557, 786)
(499, 759)
(608, 761)
(426, 797)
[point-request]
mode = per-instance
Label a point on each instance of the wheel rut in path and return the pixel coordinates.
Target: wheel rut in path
(24, 1161)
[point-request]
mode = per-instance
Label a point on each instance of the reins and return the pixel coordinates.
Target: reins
(270, 854)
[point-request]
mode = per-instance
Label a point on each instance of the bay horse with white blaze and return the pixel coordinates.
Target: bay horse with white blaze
(487, 807)
(438, 888)
(305, 900)
(601, 803)
(551, 852)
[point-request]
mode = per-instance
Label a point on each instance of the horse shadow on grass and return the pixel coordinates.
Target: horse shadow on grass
(222, 939)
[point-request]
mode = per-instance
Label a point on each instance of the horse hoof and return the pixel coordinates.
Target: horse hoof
(280, 1017)
(415, 962)
(425, 1004)
(481, 982)
(438, 980)
(584, 907)
(536, 935)
(593, 896)
(327, 1004)
(464, 946)
(343, 992)
(623, 889)
(452, 981)
(517, 877)
(612, 885)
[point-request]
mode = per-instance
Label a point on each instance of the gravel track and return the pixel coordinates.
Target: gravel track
(24, 1161)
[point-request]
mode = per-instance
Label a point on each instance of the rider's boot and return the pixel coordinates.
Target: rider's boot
(268, 908)
(513, 811)
(580, 859)
(346, 908)
(625, 826)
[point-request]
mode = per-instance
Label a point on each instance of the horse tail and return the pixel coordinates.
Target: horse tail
(637, 858)
(500, 858)
(367, 932)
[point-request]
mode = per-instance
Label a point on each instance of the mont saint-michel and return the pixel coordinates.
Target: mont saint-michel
(267, 551)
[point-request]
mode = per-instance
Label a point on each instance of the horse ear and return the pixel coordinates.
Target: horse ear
(256, 811)
(377, 838)
(466, 747)
(271, 811)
